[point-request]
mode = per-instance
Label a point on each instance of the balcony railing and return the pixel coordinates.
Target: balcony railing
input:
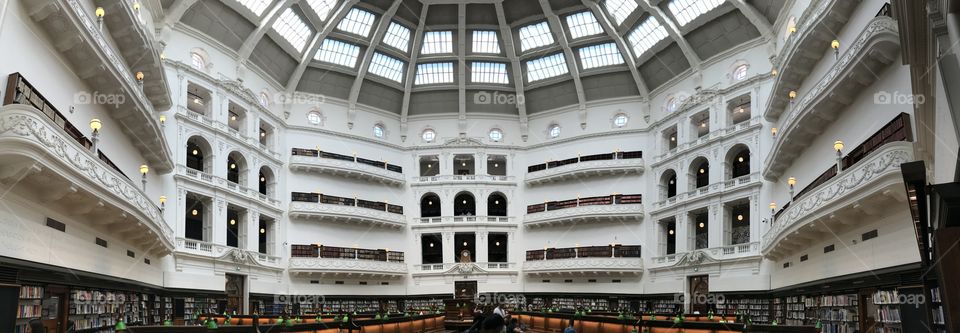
(619, 155)
(464, 178)
(720, 253)
(341, 201)
(227, 131)
(615, 199)
(710, 189)
(339, 157)
(217, 251)
(333, 252)
(464, 219)
(709, 137)
(223, 183)
(491, 266)
(609, 251)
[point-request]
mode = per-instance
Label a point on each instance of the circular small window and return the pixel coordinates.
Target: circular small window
(428, 135)
(378, 131)
(554, 131)
(620, 120)
(314, 117)
(496, 135)
(672, 104)
(264, 99)
(740, 73)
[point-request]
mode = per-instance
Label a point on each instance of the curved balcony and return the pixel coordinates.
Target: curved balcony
(876, 48)
(617, 163)
(225, 185)
(863, 189)
(345, 261)
(310, 160)
(817, 27)
(37, 151)
(617, 207)
(467, 268)
(71, 28)
(226, 254)
(588, 260)
(463, 221)
(713, 255)
(345, 210)
(711, 190)
(226, 131)
(463, 179)
(713, 136)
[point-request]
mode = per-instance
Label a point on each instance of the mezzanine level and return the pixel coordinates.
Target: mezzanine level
(615, 207)
(616, 163)
(328, 208)
(312, 160)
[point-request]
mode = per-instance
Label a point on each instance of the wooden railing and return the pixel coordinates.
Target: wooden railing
(329, 155)
(333, 252)
(615, 199)
(620, 155)
(335, 200)
(609, 251)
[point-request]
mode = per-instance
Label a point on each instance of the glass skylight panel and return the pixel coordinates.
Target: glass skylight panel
(600, 55)
(437, 42)
(293, 29)
(432, 73)
(688, 10)
(322, 7)
(535, 35)
(583, 24)
(646, 35)
(620, 9)
(337, 52)
(485, 41)
(546, 67)
(386, 67)
(257, 6)
(397, 36)
(488, 72)
(357, 22)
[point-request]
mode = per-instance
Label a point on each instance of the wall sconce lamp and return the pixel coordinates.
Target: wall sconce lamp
(95, 125)
(143, 172)
(163, 203)
(100, 13)
(835, 45)
(792, 182)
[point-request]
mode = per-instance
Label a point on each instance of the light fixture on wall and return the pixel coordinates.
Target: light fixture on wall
(773, 207)
(702, 225)
(792, 29)
(835, 45)
(163, 120)
(670, 231)
(263, 179)
(194, 212)
(496, 165)
(233, 117)
(464, 202)
(497, 243)
(792, 95)
(429, 166)
(739, 217)
(195, 152)
(673, 138)
(465, 243)
(774, 72)
(838, 146)
(431, 244)
(233, 222)
(95, 125)
(702, 171)
(740, 159)
(703, 125)
(773, 131)
(792, 182)
(143, 172)
(139, 77)
(430, 203)
(463, 163)
(263, 231)
(233, 166)
(99, 12)
(163, 202)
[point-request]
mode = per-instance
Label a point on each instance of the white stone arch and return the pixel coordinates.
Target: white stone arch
(204, 56)
(206, 149)
(731, 152)
(693, 170)
(731, 71)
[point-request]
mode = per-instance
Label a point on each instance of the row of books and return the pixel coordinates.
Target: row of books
(27, 311)
(839, 328)
(887, 314)
(31, 292)
(834, 314)
(886, 297)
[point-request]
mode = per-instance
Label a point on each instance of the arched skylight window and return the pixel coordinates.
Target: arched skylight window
(322, 7)
(437, 42)
(600, 55)
(488, 72)
(485, 41)
(740, 72)
(256, 6)
(620, 9)
(546, 67)
(397, 36)
(293, 29)
(386, 67)
(688, 10)
(646, 35)
(535, 35)
(198, 62)
(433, 73)
(357, 22)
(583, 24)
(337, 52)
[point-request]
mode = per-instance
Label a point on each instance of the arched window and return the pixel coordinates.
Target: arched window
(197, 61)
(620, 120)
(379, 131)
(738, 158)
(198, 151)
(428, 135)
(264, 99)
(430, 205)
(668, 184)
(266, 181)
(554, 131)
(700, 169)
(673, 104)
(740, 72)
(236, 168)
(497, 205)
(464, 204)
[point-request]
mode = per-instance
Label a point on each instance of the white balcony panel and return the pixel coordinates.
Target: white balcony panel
(346, 169)
(466, 268)
(586, 214)
(334, 267)
(228, 132)
(227, 255)
(463, 179)
(226, 186)
(345, 214)
(586, 169)
(584, 266)
(714, 255)
(447, 222)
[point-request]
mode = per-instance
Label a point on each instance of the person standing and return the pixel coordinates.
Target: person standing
(570, 328)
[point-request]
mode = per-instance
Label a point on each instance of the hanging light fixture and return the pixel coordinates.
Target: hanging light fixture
(99, 12)
(792, 95)
(774, 72)
(773, 131)
(835, 45)
(263, 231)
(701, 225)
(233, 222)
(194, 212)
(163, 120)
(739, 217)
(671, 231)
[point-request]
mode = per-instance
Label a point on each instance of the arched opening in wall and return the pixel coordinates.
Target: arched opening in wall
(700, 172)
(267, 237)
(236, 168)
(464, 165)
(670, 139)
(701, 228)
(466, 247)
(265, 134)
(668, 236)
(198, 99)
(738, 161)
(431, 248)
(266, 182)
(464, 204)
(237, 118)
(430, 205)
(738, 110)
(197, 218)
(497, 204)
(668, 184)
(198, 61)
(199, 154)
(700, 125)
(737, 216)
(429, 166)
(497, 165)
(497, 247)
(236, 231)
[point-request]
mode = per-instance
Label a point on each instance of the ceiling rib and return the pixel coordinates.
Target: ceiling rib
(176, 11)
(507, 35)
(755, 17)
(625, 51)
(411, 67)
(461, 68)
(674, 33)
(266, 23)
(367, 57)
(558, 31)
(315, 44)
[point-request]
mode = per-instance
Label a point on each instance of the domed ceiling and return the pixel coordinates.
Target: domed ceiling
(418, 57)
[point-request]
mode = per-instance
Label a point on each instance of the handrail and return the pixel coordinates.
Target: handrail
(463, 219)
(609, 251)
(617, 155)
(223, 182)
(614, 199)
(329, 155)
(335, 200)
(335, 252)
